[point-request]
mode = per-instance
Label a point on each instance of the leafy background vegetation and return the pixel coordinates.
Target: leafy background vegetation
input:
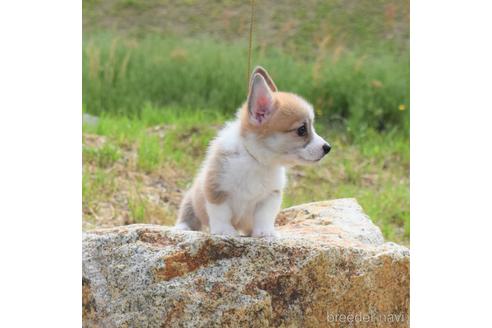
(163, 76)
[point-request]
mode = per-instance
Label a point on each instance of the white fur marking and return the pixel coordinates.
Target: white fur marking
(220, 219)
(265, 214)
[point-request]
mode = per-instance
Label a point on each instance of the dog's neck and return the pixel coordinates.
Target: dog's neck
(258, 152)
(249, 153)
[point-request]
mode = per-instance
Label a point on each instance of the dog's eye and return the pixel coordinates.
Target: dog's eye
(302, 131)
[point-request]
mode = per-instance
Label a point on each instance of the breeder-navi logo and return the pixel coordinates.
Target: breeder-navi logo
(365, 317)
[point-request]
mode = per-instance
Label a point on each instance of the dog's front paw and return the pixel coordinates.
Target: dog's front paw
(224, 231)
(265, 234)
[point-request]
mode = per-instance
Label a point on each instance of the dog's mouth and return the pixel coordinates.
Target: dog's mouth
(294, 158)
(309, 161)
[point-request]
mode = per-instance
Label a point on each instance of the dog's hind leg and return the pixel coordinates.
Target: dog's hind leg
(187, 219)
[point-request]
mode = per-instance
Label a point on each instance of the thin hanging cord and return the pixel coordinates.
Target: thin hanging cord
(250, 40)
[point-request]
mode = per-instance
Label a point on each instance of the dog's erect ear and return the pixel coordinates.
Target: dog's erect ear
(260, 100)
(260, 70)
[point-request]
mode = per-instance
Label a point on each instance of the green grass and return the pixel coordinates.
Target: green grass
(138, 210)
(105, 156)
(301, 28)
(184, 137)
(361, 89)
(97, 185)
(149, 153)
(171, 142)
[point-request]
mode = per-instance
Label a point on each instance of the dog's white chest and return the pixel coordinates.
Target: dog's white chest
(249, 183)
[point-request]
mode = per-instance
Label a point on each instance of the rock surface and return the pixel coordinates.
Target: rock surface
(329, 268)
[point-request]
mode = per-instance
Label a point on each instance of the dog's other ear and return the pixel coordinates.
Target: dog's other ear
(260, 70)
(260, 100)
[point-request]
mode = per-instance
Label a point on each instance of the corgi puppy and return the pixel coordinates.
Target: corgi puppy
(239, 187)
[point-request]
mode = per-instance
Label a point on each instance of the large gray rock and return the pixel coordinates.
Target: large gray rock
(329, 268)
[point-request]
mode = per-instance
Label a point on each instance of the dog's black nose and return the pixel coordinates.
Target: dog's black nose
(326, 148)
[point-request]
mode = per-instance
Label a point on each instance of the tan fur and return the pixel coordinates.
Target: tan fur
(187, 211)
(209, 188)
(199, 204)
(193, 204)
(288, 114)
(212, 190)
